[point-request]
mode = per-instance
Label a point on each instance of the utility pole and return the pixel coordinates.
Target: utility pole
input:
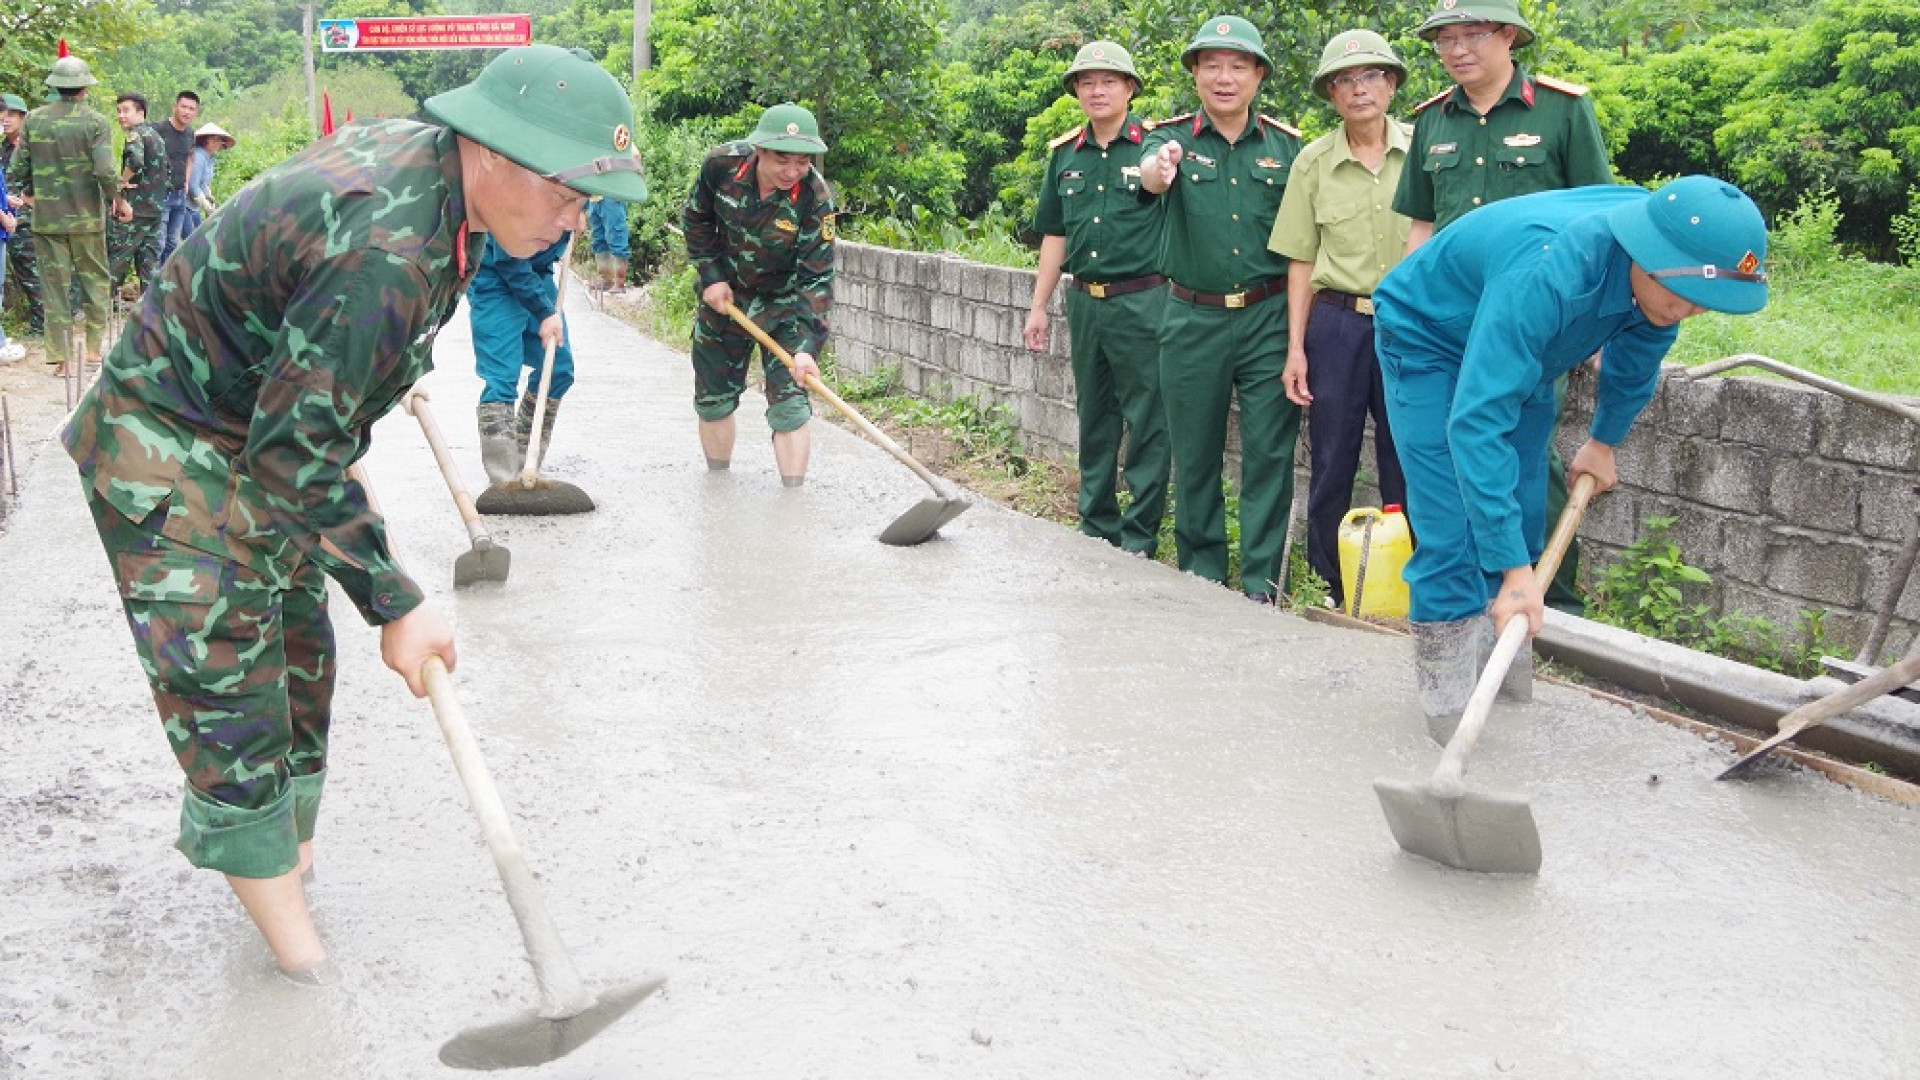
(313, 99)
(642, 34)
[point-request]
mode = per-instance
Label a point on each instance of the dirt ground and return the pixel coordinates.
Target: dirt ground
(36, 400)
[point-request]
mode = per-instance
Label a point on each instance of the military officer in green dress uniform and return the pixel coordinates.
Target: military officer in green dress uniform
(1220, 173)
(1500, 131)
(1095, 222)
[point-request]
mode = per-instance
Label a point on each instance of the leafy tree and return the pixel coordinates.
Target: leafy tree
(30, 34)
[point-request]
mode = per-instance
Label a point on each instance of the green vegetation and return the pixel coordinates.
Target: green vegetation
(1651, 589)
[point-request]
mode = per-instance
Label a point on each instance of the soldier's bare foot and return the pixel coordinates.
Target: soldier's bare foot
(305, 866)
(324, 973)
(278, 907)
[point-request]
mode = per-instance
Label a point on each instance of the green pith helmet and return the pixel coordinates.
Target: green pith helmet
(547, 110)
(790, 129)
(1102, 56)
(1456, 12)
(1701, 238)
(1229, 32)
(70, 73)
(12, 103)
(1355, 48)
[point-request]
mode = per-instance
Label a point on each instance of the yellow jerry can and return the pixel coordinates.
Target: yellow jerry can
(1375, 545)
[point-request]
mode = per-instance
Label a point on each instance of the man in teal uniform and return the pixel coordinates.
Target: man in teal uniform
(1473, 329)
(214, 448)
(1221, 173)
(759, 227)
(1499, 132)
(1340, 234)
(64, 168)
(1095, 222)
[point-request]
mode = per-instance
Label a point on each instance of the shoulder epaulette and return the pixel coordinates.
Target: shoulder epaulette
(1067, 138)
(1151, 124)
(1434, 100)
(1571, 89)
(1288, 128)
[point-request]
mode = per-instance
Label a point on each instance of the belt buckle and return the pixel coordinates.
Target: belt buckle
(1096, 290)
(1363, 305)
(1234, 300)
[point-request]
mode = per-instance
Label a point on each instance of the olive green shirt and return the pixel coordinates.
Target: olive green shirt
(1092, 197)
(1338, 213)
(65, 165)
(1220, 210)
(1541, 135)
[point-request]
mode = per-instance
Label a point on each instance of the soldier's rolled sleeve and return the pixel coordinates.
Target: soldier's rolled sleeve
(813, 276)
(347, 334)
(706, 247)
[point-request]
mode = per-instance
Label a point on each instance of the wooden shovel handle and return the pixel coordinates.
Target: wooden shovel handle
(416, 403)
(766, 341)
(530, 470)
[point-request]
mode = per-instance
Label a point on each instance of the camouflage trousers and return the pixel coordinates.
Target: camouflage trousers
(242, 669)
(68, 259)
(23, 273)
(722, 351)
(133, 244)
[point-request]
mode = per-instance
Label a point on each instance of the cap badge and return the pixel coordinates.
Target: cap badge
(1449, 5)
(622, 138)
(1223, 29)
(793, 129)
(1748, 263)
(1353, 46)
(1099, 53)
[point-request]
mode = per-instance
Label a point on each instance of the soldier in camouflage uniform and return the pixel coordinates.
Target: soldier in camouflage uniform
(759, 226)
(64, 167)
(133, 236)
(21, 270)
(214, 448)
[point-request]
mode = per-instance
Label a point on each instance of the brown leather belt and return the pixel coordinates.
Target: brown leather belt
(1361, 304)
(1101, 290)
(1233, 299)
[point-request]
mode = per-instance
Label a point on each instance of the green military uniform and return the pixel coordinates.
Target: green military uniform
(1225, 335)
(214, 448)
(1541, 135)
(1092, 197)
(777, 254)
(136, 244)
(65, 164)
(23, 273)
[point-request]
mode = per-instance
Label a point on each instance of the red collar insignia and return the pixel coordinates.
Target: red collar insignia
(1526, 91)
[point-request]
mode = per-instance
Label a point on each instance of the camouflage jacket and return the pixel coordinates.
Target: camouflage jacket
(250, 376)
(65, 165)
(22, 215)
(143, 165)
(779, 247)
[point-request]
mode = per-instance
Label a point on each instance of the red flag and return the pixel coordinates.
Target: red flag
(326, 114)
(349, 116)
(63, 49)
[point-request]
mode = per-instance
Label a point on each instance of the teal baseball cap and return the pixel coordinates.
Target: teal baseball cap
(1701, 238)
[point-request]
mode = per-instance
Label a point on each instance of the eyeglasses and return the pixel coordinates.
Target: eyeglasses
(1471, 40)
(1369, 77)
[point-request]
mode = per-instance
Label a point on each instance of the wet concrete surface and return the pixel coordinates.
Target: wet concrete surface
(1008, 804)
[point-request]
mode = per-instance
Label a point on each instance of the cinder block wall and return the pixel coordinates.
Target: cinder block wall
(1790, 498)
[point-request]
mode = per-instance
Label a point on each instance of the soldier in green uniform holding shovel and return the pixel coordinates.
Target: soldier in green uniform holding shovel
(1221, 173)
(1096, 222)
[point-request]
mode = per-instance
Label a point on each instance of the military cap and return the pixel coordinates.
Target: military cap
(1355, 48)
(70, 73)
(1102, 56)
(1456, 12)
(1229, 32)
(790, 129)
(12, 103)
(1701, 238)
(547, 110)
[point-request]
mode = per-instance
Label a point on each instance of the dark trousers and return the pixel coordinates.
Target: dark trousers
(1343, 374)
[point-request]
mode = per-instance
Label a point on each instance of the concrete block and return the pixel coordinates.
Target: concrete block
(1725, 475)
(1743, 549)
(1815, 495)
(1687, 407)
(1054, 380)
(947, 311)
(1880, 565)
(916, 304)
(973, 280)
(1768, 414)
(948, 277)
(1062, 424)
(1614, 520)
(917, 339)
(1642, 460)
(1017, 288)
(1889, 505)
(1782, 610)
(1819, 569)
(1865, 435)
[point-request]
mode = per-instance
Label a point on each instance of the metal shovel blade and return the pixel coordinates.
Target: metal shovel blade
(487, 561)
(1485, 832)
(530, 1040)
(920, 523)
(546, 498)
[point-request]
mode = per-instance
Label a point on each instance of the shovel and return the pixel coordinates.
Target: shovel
(922, 521)
(487, 561)
(529, 494)
(1815, 713)
(569, 1012)
(1486, 832)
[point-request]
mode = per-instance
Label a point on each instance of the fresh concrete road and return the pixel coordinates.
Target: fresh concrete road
(1009, 804)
